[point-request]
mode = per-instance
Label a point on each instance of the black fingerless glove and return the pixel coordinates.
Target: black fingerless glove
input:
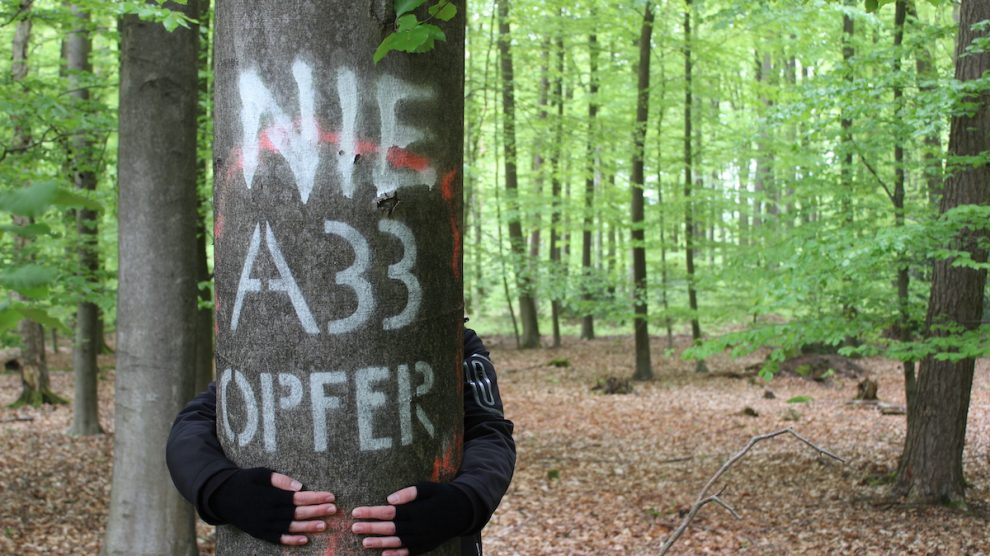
(439, 513)
(247, 500)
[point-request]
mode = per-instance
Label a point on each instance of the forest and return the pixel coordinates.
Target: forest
(730, 259)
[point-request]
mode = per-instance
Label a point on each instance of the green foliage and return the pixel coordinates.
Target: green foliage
(411, 34)
(800, 399)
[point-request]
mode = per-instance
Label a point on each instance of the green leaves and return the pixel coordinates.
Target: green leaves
(30, 280)
(411, 34)
(35, 199)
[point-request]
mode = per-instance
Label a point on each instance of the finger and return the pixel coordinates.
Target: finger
(386, 513)
(312, 497)
(285, 482)
(382, 542)
(399, 552)
(374, 528)
(293, 540)
(307, 526)
(309, 512)
(403, 496)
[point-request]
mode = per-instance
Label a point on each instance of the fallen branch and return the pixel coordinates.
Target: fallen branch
(704, 498)
(16, 418)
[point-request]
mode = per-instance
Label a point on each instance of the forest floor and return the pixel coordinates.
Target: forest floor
(597, 474)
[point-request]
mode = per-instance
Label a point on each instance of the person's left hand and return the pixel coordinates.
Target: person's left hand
(418, 519)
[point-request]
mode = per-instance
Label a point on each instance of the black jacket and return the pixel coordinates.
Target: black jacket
(198, 465)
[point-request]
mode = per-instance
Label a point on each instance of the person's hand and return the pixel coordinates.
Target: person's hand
(418, 519)
(271, 506)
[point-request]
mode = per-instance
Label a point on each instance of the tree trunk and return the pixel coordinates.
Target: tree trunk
(644, 367)
(845, 171)
(35, 384)
(338, 283)
(204, 314)
(590, 182)
(85, 407)
(903, 329)
(689, 226)
(931, 467)
(156, 297)
(539, 148)
(555, 179)
(926, 78)
(524, 280)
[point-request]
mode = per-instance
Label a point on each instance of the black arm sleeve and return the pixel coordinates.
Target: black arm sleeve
(489, 451)
(198, 465)
(193, 453)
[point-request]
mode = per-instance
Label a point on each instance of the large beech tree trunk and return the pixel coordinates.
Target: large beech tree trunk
(338, 254)
(156, 297)
(644, 367)
(931, 467)
(85, 409)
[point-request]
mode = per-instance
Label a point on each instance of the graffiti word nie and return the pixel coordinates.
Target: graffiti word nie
(353, 277)
(366, 393)
(299, 141)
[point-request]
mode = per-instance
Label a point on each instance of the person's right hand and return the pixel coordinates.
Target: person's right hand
(271, 506)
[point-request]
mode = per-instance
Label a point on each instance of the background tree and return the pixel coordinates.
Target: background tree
(931, 466)
(156, 304)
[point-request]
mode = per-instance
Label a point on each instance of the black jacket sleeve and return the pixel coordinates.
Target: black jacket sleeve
(193, 453)
(489, 451)
(198, 465)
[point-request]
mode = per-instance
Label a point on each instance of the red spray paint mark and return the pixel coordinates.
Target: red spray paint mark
(218, 226)
(403, 159)
(337, 527)
(216, 311)
(447, 192)
(445, 465)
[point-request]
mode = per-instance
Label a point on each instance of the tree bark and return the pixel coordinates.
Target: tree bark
(689, 225)
(590, 183)
(339, 292)
(35, 384)
(524, 280)
(903, 329)
(644, 367)
(85, 408)
(556, 172)
(204, 314)
(845, 169)
(156, 297)
(931, 467)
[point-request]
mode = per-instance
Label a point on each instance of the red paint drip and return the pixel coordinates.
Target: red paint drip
(403, 159)
(447, 192)
(445, 465)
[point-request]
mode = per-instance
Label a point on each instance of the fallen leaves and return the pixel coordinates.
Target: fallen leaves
(598, 474)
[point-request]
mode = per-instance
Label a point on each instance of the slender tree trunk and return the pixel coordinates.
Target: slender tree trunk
(85, 409)
(644, 368)
(846, 166)
(35, 384)
(539, 151)
(204, 314)
(156, 297)
(927, 77)
(524, 280)
(931, 466)
(689, 225)
(555, 178)
(338, 282)
(903, 328)
(590, 183)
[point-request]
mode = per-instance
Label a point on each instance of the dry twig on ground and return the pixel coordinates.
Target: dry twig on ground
(704, 498)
